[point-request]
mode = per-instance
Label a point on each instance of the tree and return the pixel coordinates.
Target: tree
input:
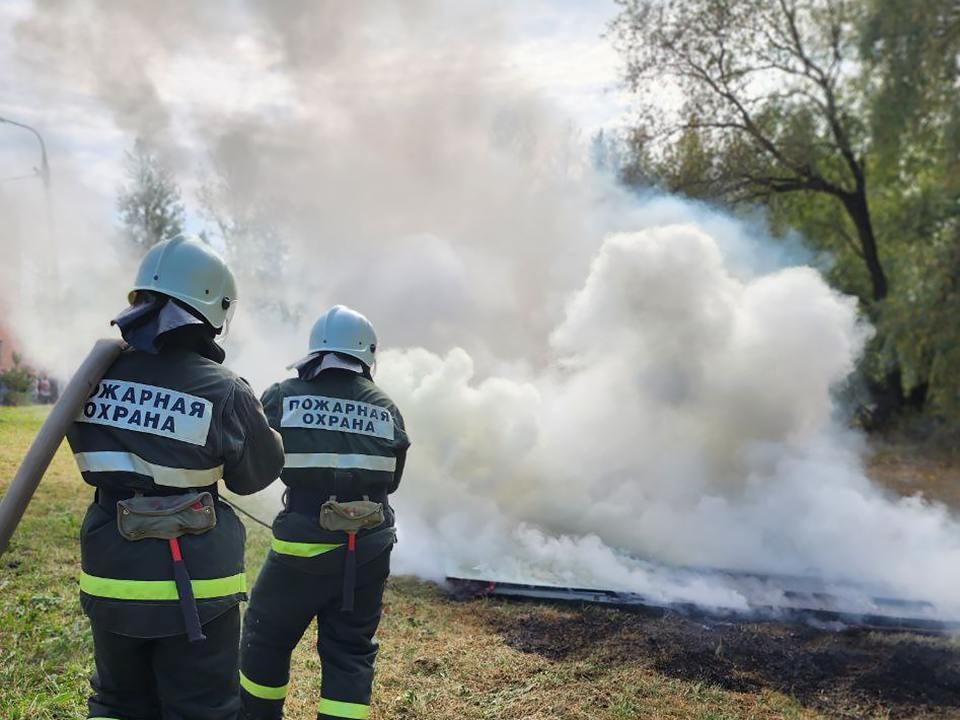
(150, 207)
(244, 220)
(840, 117)
(913, 56)
(771, 107)
(17, 381)
(911, 53)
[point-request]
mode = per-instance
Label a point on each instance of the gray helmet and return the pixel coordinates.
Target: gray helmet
(345, 331)
(194, 274)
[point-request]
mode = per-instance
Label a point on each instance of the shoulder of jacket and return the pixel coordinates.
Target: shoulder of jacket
(376, 391)
(288, 385)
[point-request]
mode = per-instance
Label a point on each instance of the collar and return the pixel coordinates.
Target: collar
(159, 322)
(312, 365)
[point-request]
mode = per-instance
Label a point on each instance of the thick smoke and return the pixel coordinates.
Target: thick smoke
(686, 416)
(594, 382)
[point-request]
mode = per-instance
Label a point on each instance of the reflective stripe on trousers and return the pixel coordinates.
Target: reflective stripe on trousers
(336, 708)
(340, 461)
(117, 589)
(95, 462)
(264, 692)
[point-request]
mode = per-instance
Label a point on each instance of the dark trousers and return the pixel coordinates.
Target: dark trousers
(283, 603)
(168, 678)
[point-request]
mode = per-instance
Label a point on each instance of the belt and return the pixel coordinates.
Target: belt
(108, 498)
(308, 503)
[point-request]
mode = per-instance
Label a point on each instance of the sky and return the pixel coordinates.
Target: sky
(556, 48)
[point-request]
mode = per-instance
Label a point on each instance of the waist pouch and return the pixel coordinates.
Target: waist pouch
(350, 517)
(166, 517)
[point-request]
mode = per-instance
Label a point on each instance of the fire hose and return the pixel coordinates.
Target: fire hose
(231, 501)
(51, 434)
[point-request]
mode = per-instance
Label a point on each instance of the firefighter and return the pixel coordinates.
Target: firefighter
(345, 448)
(162, 557)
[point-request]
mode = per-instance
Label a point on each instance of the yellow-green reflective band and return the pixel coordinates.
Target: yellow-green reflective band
(343, 709)
(264, 692)
(285, 547)
(160, 589)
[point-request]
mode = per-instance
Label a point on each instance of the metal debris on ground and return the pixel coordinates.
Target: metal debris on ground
(781, 598)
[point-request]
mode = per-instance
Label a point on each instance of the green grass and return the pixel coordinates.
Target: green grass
(439, 659)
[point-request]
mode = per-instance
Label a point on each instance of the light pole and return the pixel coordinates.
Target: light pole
(44, 170)
(53, 261)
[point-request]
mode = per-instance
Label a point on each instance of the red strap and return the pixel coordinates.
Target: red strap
(175, 550)
(351, 541)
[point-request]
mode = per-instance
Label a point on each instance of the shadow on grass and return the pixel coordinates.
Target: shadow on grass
(848, 674)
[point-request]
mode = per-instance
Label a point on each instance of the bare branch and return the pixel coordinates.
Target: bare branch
(826, 83)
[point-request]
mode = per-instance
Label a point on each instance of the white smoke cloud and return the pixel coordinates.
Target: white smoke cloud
(596, 383)
(686, 417)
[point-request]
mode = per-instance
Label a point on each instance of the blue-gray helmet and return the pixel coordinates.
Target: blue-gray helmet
(344, 331)
(194, 274)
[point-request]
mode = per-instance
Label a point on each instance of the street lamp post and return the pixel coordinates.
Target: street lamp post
(44, 170)
(52, 265)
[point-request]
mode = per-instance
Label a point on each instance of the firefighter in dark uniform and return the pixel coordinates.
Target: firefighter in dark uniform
(162, 557)
(345, 446)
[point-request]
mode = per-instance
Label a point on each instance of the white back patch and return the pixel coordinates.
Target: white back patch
(149, 409)
(317, 412)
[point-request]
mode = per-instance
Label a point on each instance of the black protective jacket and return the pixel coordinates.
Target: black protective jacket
(344, 438)
(167, 424)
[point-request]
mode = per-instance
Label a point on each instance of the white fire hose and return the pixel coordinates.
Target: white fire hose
(51, 434)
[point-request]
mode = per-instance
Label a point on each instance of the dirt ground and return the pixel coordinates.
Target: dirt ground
(845, 674)
(908, 469)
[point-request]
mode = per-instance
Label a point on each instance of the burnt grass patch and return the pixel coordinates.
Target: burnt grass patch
(846, 673)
